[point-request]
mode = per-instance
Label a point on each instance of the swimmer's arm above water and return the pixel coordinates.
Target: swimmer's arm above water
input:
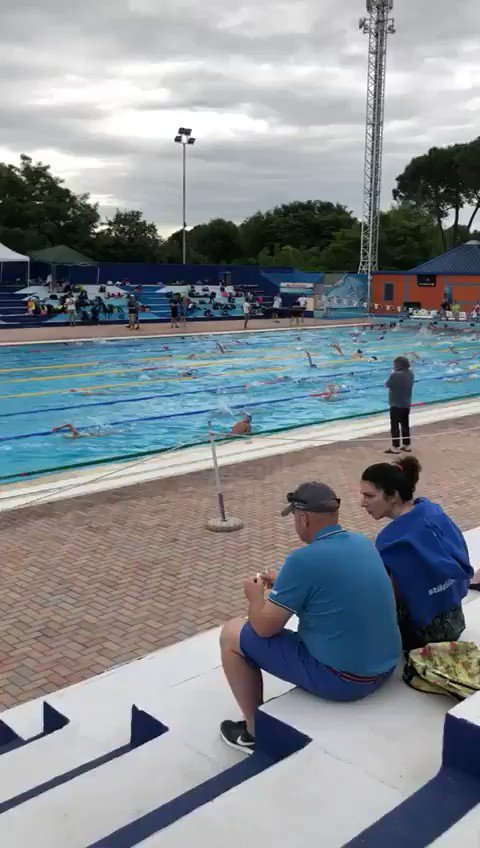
(73, 431)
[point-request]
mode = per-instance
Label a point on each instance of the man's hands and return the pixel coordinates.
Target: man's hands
(268, 577)
(254, 587)
(254, 590)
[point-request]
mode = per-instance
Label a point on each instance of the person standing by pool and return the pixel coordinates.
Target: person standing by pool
(174, 313)
(423, 551)
(132, 305)
(184, 304)
(247, 308)
(303, 303)
(71, 309)
(277, 305)
(400, 388)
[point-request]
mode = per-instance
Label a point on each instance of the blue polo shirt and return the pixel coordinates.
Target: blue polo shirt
(340, 591)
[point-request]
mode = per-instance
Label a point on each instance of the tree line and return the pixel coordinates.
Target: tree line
(436, 203)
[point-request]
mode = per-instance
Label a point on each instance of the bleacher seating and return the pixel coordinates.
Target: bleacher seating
(322, 774)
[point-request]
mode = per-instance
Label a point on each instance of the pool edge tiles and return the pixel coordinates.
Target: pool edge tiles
(190, 460)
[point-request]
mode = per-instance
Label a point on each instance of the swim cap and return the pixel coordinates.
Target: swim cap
(247, 417)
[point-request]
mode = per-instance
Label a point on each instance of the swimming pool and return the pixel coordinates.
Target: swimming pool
(135, 397)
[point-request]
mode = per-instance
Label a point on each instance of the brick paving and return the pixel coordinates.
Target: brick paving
(95, 331)
(92, 582)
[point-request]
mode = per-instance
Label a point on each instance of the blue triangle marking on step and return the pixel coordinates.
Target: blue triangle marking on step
(52, 719)
(144, 728)
(7, 735)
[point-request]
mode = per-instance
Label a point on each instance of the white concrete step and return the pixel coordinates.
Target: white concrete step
(464, 834)
(311, 798)
(85, 810)
(37, 767)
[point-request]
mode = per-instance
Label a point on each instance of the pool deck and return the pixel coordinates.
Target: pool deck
(62, 332)
(92, 582)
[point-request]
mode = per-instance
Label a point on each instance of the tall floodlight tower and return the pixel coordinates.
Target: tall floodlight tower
(378, 26)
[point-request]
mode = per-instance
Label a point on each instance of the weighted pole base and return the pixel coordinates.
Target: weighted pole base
(229, 525)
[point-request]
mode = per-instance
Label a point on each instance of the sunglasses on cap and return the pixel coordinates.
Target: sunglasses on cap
(306, 506)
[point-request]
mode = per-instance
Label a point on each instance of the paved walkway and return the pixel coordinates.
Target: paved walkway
(61, 331)
(92, 582)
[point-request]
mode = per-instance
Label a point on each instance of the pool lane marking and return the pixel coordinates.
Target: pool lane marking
(120, 384)
(182, 356)
(192, 364)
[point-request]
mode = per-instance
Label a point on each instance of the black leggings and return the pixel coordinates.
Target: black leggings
(400, 418)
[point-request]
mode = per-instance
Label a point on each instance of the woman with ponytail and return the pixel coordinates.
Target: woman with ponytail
(423, 551)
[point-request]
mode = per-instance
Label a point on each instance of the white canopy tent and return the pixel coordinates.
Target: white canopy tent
(7, 255)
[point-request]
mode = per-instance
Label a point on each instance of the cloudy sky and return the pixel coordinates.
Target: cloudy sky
(274, 90)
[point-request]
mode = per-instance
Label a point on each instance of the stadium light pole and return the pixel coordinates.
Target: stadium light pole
(185, 138)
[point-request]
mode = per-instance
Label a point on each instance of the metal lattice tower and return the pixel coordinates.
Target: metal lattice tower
(378, 26)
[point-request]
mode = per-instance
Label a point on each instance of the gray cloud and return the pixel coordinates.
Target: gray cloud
(275, 92)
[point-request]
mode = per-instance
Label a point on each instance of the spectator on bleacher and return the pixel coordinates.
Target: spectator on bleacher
(212, 296)
(423, 551)
(347, 644)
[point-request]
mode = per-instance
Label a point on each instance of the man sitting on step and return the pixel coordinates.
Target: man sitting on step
(348, 642)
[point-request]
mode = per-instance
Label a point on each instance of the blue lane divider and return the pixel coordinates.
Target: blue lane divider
(195, 412)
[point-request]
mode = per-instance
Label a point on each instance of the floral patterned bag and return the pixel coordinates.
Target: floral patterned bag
(445, 668)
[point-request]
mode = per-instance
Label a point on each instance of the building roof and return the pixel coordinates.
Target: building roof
(464, 259)
(60, 254)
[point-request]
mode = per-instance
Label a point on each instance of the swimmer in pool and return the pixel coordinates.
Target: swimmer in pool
(310, 360)
(358, 354)
(220, 347)
(331, 392)
(73, 433)
(414, 356)
(336, 347)
(242, 427)
(188, 373)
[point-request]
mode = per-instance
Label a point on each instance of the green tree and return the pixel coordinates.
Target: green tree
(343, 252)
(442, 183)
(407, 238)
(172, 251)
(127, 237)
(286, 257)
(218, 241)
(469, 168)
(37, 210)
(301, 224)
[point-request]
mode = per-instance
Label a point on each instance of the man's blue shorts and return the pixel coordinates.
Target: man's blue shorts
(285, 656)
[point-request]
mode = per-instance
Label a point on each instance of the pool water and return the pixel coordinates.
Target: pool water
(139, 396)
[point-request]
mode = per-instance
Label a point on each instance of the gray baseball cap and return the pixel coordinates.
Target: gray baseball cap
(312, 497)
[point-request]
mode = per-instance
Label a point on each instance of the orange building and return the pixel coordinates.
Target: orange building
(454, 276)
